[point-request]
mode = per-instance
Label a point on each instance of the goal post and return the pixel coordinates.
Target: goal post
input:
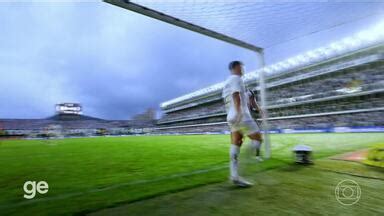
(263, 104)
(129, 5)
(146, 11)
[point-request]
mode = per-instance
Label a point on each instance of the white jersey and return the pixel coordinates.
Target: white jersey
(233, 84)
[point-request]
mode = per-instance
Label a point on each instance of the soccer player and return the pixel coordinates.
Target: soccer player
(239, 119)
(256, 112)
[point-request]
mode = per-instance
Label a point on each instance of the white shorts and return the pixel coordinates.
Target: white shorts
(246, 127)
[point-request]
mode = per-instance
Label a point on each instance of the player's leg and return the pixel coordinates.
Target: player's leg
(255, 137)
(256, 140)
(236, 141)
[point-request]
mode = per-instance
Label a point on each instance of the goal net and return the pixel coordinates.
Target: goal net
(262, 26)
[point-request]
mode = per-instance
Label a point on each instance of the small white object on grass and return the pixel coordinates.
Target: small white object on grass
(302, 148)
(303, 154)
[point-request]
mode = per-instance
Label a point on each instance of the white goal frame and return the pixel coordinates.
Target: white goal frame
(126, 4)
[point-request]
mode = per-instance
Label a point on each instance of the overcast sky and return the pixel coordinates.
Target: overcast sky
(114, 62)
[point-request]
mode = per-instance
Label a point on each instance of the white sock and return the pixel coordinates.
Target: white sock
(255, 145)
(233, 163)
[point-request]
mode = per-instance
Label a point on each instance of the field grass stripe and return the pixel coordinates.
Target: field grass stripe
(351, 174)
(112, 187)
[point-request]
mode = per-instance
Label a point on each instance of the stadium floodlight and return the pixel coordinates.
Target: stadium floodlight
(325, 52)
(379, 30)
(300, 59)
(365, 36)
(268, 70)
(376, 34)
(275, 67)
(360, 40)
(357, 41)
(286, 65)
(292, 61)
(352, 41)
(250, 76)
(280, 66)
(312, 55)
(337, 47)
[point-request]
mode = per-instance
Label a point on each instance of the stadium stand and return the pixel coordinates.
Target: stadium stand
(346, 90)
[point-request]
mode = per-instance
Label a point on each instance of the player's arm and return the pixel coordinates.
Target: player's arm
(254, 105)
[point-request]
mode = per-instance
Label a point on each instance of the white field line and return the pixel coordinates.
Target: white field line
(115, 186)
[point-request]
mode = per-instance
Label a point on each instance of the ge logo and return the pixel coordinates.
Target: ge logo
(348, 192)
(31, 187)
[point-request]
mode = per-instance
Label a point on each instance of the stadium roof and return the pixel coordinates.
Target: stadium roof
(360, 40)
(257, 25)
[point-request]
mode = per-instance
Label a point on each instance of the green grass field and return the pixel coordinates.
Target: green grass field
(182, 175)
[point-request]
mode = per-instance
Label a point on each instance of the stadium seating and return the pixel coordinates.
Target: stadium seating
(345, 91)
